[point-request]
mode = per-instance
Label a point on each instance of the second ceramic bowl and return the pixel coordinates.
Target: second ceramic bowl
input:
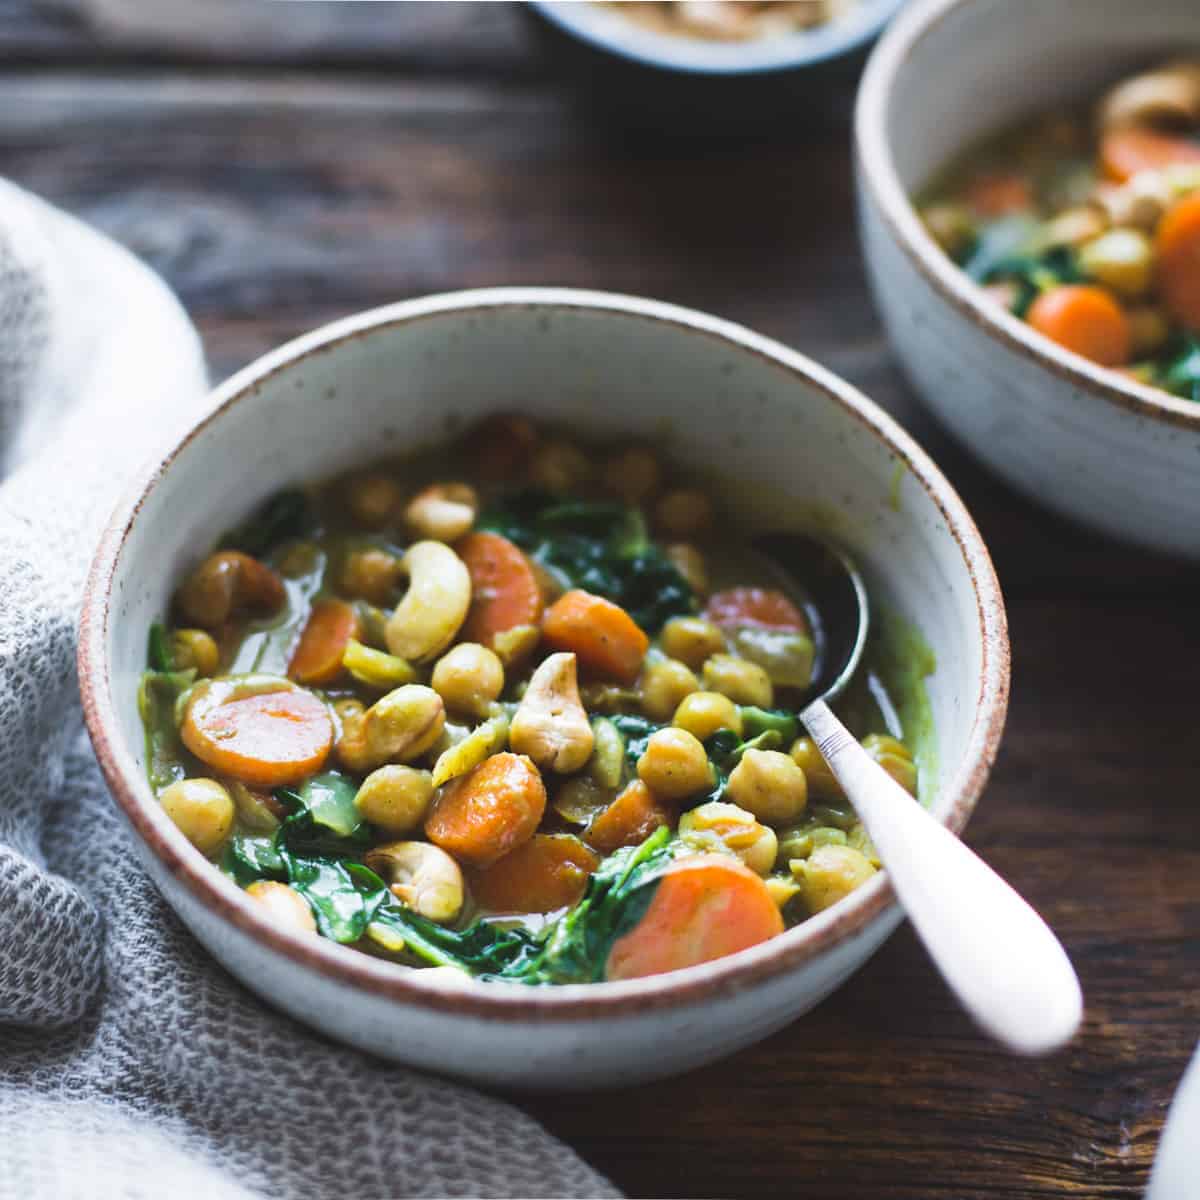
(1114, 454)
(782, 434)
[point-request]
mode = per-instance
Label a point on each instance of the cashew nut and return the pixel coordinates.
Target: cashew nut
(551, 726)
(398, 727)
(226, 582)
(422, 876)
(435, 605)
(1169, 94)
(443, 511)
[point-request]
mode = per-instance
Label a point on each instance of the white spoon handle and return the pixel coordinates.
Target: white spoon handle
(996, 953)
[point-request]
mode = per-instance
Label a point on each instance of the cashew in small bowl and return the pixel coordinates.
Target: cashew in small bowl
(421, 876)
(443, 511)
(435, 605)
(551, 726)
(1167, 95)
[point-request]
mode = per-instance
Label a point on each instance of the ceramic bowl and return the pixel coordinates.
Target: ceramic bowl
(690, 87)
(1111, 453)
(715, 394)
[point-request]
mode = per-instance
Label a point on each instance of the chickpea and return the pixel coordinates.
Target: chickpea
(949, 225)
(499, 445)
(443, 511)
(395, 798)
(674, 765)
(370, 574)
(770, 785)
(1076, 226)
(229, 582)
(829, 874)
(692, 640)
(689, 562)
(742, 681)
(1122, 260)
(285, 906)
(559, 466)
(683, 513)
(703, 713)
(299, 559)
(894, 757)
(822, 782)
(193, 649)
(664, 684)
(202, 810)
(468, 678)
(373, 499)
(634, 474)
(400, 726)
(725, 827)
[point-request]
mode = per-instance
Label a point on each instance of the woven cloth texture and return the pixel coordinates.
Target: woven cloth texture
(131, 1065)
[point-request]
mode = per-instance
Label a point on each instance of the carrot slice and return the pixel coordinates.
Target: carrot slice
(548, 872)
(997, 195)
(763, 608)
(1084, 319)
(601, 634)
(704, 908)
(487, 813)
(504, 587)
(1177, 248)
(318, 655)
(1125, 152)
(266, 740)
(629, 820)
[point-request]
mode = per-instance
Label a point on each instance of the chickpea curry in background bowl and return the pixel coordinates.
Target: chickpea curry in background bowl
(1086, 224)
(525, 710)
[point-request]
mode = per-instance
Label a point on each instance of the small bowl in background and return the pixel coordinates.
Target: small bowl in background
(715, 395)
(696, 87)
(1119, 456)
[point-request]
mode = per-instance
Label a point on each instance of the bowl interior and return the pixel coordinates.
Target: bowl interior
(786, 442)
(959, 71)
(606, 28)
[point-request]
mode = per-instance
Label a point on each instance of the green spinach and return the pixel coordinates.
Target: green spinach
(158, 694)
(599, 546)
(1181, 375)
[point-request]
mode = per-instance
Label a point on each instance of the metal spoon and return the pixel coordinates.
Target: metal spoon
(999, 957)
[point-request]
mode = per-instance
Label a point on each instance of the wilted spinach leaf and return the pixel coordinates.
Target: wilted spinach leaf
(158, 652)
(1181, 375)
(600, 546)
(249, 858)
(286, 514)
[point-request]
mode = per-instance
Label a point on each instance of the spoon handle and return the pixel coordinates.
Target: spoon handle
(1000, 958)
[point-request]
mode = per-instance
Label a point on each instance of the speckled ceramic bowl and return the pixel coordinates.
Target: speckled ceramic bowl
(1112, 453)
(718, 395)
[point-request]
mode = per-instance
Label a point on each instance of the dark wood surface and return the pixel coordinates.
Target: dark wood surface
(418, 148)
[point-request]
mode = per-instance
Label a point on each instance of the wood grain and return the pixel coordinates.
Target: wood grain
(274, 200)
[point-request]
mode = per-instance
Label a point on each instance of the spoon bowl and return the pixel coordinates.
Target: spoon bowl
(997, 954)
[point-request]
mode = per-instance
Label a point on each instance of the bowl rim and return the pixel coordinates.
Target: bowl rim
(224, 901)
(880, 179)
(697, 57)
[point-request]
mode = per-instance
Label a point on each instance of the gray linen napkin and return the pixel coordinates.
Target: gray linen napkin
(131, 1065)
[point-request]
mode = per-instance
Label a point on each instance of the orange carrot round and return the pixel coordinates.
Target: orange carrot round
(761, 607)
(704, 908)
(504, 588)
(630, 819)
(1084, 319)
(1177, 248)
(1125, 152)
(318, 655)
(265, 740)
(546, 873)
(487, 813)
(601, 634)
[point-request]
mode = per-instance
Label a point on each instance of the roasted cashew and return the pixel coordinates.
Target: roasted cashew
(443, 511)
(435, 605)
(551, 726)
(422, 876)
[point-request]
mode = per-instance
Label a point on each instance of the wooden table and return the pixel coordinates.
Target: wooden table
(403, 149)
